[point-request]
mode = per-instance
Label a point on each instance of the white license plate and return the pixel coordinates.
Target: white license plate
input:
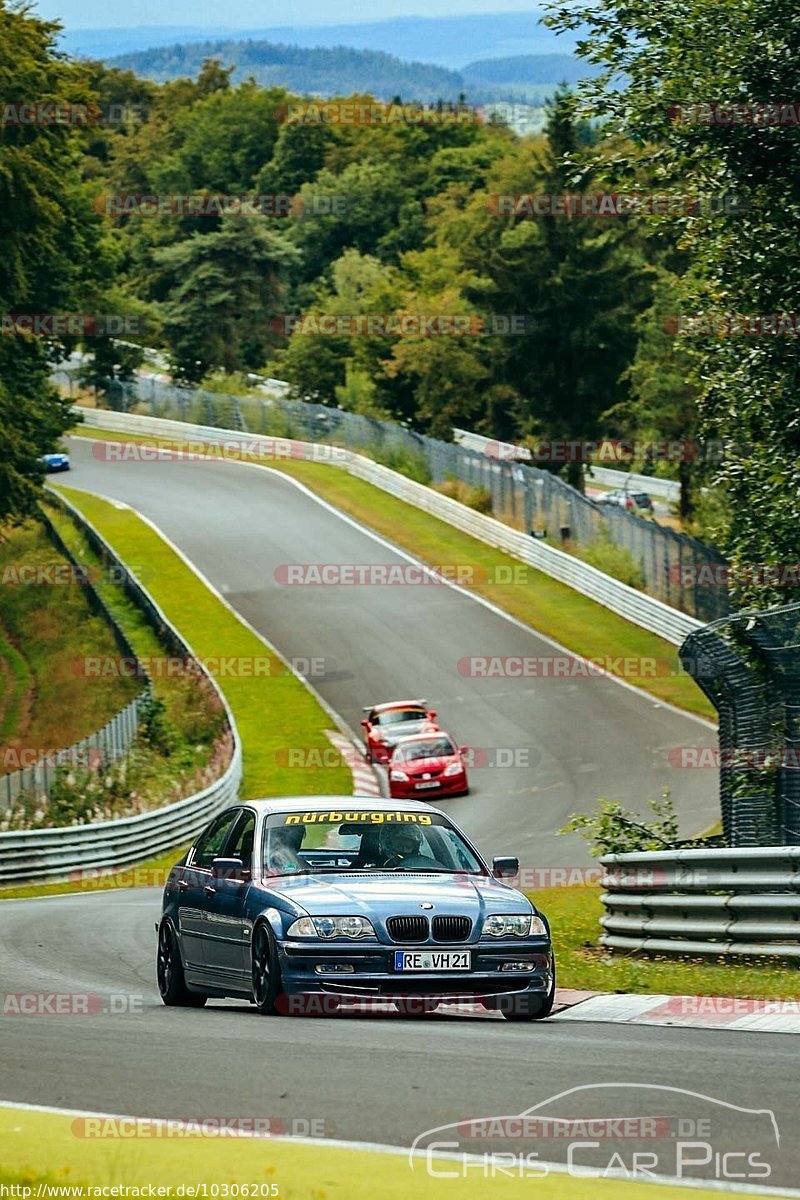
(432, 784)
(432, 960)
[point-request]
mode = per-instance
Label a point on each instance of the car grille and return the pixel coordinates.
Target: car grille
(408, 929)
(451, 929)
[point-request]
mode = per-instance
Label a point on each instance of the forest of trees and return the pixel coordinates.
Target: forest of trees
(398, 219)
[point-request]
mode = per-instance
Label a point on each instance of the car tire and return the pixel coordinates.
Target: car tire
(169, 972)
(530, 1008)
(267, 984)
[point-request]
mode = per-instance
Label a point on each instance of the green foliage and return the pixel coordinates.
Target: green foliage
(725, 54)
(52, 250)
(613, 560)
(612, 829)
(219, 288)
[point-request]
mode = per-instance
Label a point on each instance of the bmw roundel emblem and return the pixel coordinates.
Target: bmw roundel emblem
(425, 904)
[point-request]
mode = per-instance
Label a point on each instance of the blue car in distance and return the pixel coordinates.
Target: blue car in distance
(55, 462)
(312, 903)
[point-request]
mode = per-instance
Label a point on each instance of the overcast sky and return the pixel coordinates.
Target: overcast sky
(258, 14)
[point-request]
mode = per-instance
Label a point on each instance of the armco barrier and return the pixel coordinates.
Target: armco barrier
(634, 606)
(717, 902)
(665, 489)
(58, 853)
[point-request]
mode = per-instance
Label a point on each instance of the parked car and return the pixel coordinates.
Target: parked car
(632, 501)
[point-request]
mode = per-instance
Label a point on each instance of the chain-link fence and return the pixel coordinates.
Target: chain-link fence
(674, 567)
(749, 667)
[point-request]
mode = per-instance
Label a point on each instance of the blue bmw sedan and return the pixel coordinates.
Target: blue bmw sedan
(309, 904)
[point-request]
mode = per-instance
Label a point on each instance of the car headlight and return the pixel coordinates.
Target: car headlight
(516, 926)
(398, 775)
(331, 927)
(454, 769)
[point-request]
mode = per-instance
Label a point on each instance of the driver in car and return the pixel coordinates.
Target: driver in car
(283, 845)
(402, 846)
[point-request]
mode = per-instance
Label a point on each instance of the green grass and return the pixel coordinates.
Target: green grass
(45, 629)
(15, 679)
(49, 1148)
(273, 710)
(574, 914)
(191, 704)
(543, 603)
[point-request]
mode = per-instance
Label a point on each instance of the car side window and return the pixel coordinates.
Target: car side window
(213, 840)
(242, 838)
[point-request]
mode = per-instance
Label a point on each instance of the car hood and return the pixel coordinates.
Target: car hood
(419, 766)
(392, 736)
(386, 894)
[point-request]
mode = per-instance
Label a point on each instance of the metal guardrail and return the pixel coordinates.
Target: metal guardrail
(633, 605)
(665, 489)
(59, 853)
(717, 902)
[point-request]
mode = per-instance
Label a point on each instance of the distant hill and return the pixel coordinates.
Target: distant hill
(447, 41)
(325, 72)
(528, 69)
(342, 70)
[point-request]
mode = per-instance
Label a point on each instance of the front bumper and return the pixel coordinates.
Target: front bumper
(452, 785)
(373, 975)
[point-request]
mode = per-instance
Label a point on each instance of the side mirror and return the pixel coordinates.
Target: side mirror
(432, 714)
(365, 722)
(230, 869)
(463, 749)
(505, 868)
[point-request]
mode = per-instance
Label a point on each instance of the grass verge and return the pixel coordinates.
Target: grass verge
(272, 707)
(46, 626)
(48, 1149)
(574, 914)
(543, 603)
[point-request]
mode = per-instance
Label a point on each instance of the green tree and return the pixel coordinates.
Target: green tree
(729, 53)
(222, 295)
(52, 250)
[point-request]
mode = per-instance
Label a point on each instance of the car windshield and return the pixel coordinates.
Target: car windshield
(394, 716)
(430, 748)
(365, 840)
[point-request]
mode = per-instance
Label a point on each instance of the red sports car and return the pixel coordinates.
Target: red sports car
(386, 724)
(427, 763)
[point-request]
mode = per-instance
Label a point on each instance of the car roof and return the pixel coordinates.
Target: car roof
(311, 803)
(399, 704)
(426, 737)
